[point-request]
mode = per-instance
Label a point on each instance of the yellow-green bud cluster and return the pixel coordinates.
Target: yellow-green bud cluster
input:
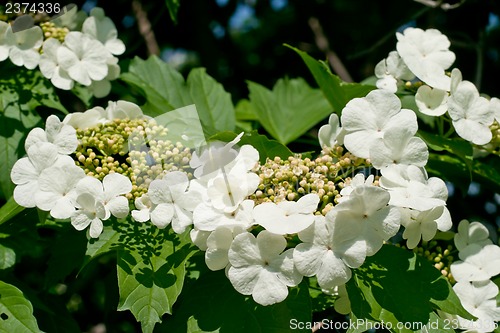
(104, 149)
(50, 30)
(296, 176)
(440, 256)
(494, 145)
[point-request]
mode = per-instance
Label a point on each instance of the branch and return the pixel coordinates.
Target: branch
(145, 28)
(322, 44)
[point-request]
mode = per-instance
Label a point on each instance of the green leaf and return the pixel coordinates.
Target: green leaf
(165, 89)
(16, 312)
(7, 257)
(290, 109)
(459, 147)
(334, 89)
(214, 104)
(151, 270)
(329, 83)
(211, 304)
(396, 285)
(173, 8)
(110, 240)
(267, 148)
(9, 210)
(66, 255)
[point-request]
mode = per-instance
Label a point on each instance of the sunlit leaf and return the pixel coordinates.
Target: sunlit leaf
(290, 109)
(151, 270)
(16, 312)
(165, 89)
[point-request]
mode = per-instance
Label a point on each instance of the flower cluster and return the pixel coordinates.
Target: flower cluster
(424, 55)
(66, 55)
(270, 225)
(479, 262)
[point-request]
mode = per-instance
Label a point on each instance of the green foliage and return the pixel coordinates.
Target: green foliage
(16, 312)
(334, 89)
(290, 109)
(165, 89)
(210, 304)
(151, 267)
(397, 286)
(173, 8)
(9, 210)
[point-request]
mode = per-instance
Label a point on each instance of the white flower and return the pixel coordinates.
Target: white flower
(103, 29)
(356, 181)
(4, 46)
(410, 188)
(331, 134)
(173, 203)
(398, 146)
(50, 68)
(26, 171)
(61, 135)
(84, 120)
(287, 217)
(208, 218)
(110, 192)
(216, 156)
(477, 263)
(199, 238)
(421, 225)
(91, 212)
(478, 298)
(259, 268)
(85, 59)
(227, 191)
(391, 71)
(470, 113)
(22, 46)
(427, 55)
(471, 233)
(144, 207)
(432, 102)
(102, 88)
(495, 107)
(57, 190)
(122, 110)
(218, 244)
(369, 118)
(327, 253)
(368, 213)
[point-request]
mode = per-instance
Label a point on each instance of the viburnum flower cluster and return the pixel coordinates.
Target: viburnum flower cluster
(267, 225)
(424, 56)
(67, 55)
(479, 262)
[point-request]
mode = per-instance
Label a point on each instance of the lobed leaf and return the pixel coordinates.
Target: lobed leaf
(165, 89)
(397, 286)
(151, 274)
(290, 109)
